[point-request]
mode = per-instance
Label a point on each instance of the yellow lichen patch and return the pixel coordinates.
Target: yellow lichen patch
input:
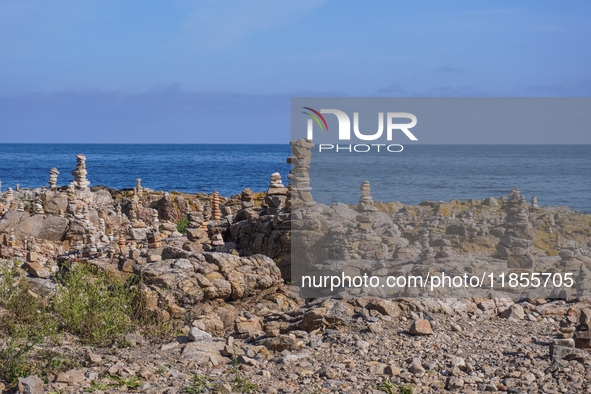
(454, 207)
(474, 249)
(545, 241)
(389, 207)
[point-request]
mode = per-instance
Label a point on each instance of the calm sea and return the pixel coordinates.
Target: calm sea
(557, 174)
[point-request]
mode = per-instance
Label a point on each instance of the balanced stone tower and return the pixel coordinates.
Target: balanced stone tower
(80, 181)
(246, 198)
(517, 242)
(276, 194)
(300, 191)
(217, 214)
(366, 201)
(53, 173)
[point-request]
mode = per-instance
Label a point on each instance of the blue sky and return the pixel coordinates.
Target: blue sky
(216, 71)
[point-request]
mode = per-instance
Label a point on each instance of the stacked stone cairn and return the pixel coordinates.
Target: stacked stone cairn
(517, 242)
(534, 202)
(195, 231)
(217, 214)
(138, 188)
(276, 194)
(154, 240)
(53, 173)
(246, 210)
(101, 226)
(301, 192)
(568, 258)
(246, 199)
(39, 207)
(80, 181)
(427, 254)
(155, 219)
(12, 239)
(445, 249)
(366, 201)
(0, 186)
(573, 333)
(217, 240)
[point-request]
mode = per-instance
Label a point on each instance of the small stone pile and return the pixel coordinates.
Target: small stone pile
(53, 173)
(572, 334)
(246, 198)
(80, 181)
(276, 194)
(217, 240)
(138, 188)
(217, 214)
(101, 226)
(300, 192)
(366, 201)
(195, 219)
(568, 258)
(9, 194)
(517, 242)
(154, 239)
(12, 239)
(155, 219)
(247, 210)
(195, 231)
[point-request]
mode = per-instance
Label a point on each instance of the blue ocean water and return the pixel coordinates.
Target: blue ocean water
(557, 174)
(191, 168)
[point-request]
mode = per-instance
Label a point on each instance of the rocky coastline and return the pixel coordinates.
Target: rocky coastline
(219, 269)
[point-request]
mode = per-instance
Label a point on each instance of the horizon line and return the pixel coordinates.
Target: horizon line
(275, 143)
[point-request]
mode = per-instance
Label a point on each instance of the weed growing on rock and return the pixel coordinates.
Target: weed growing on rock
(94, 306)
(199, 384)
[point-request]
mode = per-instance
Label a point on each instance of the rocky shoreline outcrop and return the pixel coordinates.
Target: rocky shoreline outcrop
(222, 267)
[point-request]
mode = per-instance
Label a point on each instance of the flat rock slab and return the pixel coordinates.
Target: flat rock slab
(204, 352)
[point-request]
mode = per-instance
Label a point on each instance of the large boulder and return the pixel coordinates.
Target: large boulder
(195, 277)
(40, 227)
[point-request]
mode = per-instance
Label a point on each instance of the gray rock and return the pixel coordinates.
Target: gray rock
(195, 334)
(30, 385)
(421, 327)
(455, 383)
(416, 367)
(138, 233)
(514, 312)
(204, 352)
(568, 342)
(51, 228)
(558, 353)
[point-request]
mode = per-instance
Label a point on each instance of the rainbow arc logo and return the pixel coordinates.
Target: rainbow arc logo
(316, 118)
